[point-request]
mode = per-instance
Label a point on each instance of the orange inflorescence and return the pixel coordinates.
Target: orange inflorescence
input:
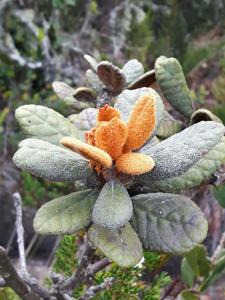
(112, 140)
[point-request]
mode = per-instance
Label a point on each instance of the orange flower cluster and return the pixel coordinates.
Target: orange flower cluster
(111, 142)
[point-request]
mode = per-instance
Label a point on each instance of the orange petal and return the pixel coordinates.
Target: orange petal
(111, 137)
(88, 151)
(134, 163)
(141, 123)
(107, 113)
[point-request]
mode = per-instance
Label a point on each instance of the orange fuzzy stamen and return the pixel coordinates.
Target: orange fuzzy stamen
(111, 137)
(88, 151)
(134, 163)
(107, 113)
(141, 123)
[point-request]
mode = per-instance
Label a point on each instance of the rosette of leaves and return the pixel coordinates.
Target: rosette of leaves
(118, 147)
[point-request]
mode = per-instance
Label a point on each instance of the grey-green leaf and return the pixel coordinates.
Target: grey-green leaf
(93, 80)
(127, 99)
(44, 123)
(85, 120)
(168, 223)
(187, 158)
(170, 76)
(132, 70)
(66, 214)
(145, 80)
(113, 208)
(92, 62)
(203, 114)
(85, 94)
(51, 162)
(64, 92)
(169, 126)
(121, 246)
(112, 77)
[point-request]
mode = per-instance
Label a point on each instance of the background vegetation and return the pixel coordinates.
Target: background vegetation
(43, 41)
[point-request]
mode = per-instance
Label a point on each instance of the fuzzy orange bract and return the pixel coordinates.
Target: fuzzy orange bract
(88, 151)
(134, 163)
(107, 113)
(141, 123)
(111, 137)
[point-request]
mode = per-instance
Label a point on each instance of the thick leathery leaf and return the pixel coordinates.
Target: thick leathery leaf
(195, 264)
(132, 70)
(170, 76)
(168, 223)
(127, 99)
(169, 126)
(44, 123)
(146, 148)
(112, 77)
(203, 114)
(64, 92)
(50, 161)
(120, 245)
(145, 80)
(85, 94)
(66, 214)
(93, 80)
(85, 120)
(185, 159)
(113, 208)
(92, 62)
(197, 173)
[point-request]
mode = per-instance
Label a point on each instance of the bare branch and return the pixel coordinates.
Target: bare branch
(20, 231)
(93, 290)
(220, 246)
(13, 279)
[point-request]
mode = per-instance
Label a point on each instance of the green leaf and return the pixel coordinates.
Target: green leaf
(44, 123)
(132, 70)
(169, 126)
(64, 92)
(187, 295)
(185, 159)
(219, 193)
(112, 77)
(195, 264)
(66, 214)
(203, 114)
(121, 246)
(170, 76)
(217, 272)
(51, 162)
(85, 120)
(145, 80)
(113, 208)
(127, 99)
(168, 223)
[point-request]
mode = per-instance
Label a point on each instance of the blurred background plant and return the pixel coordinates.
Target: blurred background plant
(44, 41)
